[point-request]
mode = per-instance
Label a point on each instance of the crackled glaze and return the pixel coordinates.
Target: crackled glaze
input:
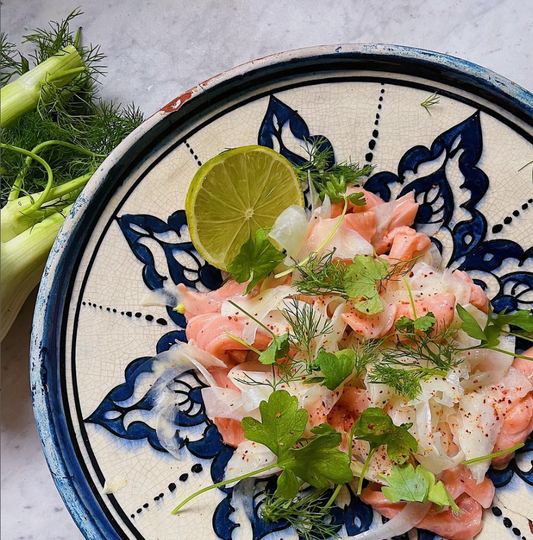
(465, 162)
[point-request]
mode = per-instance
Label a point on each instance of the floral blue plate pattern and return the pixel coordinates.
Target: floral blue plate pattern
(93, 367)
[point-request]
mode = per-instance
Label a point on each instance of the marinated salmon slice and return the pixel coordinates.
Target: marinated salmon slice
(518, 415)
(208, 332)
(231, 431)
(460, 480)
(363, 223)
(371, 326)
(349, 407)
(406, 244)
(516, 427)
(441, 305)
(198, 303)
(391, 215)
(462, 526)
(478, 297)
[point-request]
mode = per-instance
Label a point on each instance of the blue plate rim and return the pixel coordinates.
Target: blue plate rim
(47, 325)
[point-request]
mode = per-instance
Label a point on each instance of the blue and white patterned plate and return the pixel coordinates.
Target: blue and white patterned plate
(94, 341)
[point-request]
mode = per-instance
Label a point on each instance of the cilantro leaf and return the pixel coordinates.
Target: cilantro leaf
(256, 259)
(489, 336)
(282, 423)
(470, 326)
(523, 319)
(426, 323)
(323, 429)
(361, 283)
(439, 495)
(288, 485)
(407, 484)
(357, 199)
(335, 367)
(416, 485)
(320, 462)
(404, 324)
(377, 428)
(279, 348)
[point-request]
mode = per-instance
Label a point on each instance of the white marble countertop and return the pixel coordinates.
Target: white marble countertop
(157, 49)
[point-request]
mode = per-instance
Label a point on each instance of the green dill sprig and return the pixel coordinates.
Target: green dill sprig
(50, 41)
(10, 66)
(306, 514)
(70, 113)
(414, 358)
(328, 178)
(321, 275)
(366, 353)
(430, 101)
(306, 326)
(98, 130)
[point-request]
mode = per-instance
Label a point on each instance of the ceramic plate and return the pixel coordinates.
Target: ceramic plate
(94, 341)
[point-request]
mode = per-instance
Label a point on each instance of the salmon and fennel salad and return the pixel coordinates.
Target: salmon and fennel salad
(341, 354)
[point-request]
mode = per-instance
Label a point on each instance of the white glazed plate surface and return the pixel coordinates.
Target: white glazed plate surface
(94, 341)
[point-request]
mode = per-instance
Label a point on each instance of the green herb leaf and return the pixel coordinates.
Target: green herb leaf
(279, 348)
(361, 283)
(255, 261)
(405, 323)
(426, 323)
(282, 423)
(430, 101)
(470, 326)
(321, 275)
(416, 485)
(323, 429)
(282, 426)
(439, 495)
(415, 358)
(335, 367)
(377, 428)
(489, 336)
(357, 199)
(329, 178)
(407, 484)
(406, 382)
(523, 319)
(320, 462)
(306, 513)
(487, 457)
(306, 326)
(288, 485)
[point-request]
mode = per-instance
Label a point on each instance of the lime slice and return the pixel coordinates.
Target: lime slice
(233, 195)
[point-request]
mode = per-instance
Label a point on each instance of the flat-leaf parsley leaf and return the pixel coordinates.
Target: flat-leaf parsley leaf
(255, 261)
(361, 283)
(416, 485)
